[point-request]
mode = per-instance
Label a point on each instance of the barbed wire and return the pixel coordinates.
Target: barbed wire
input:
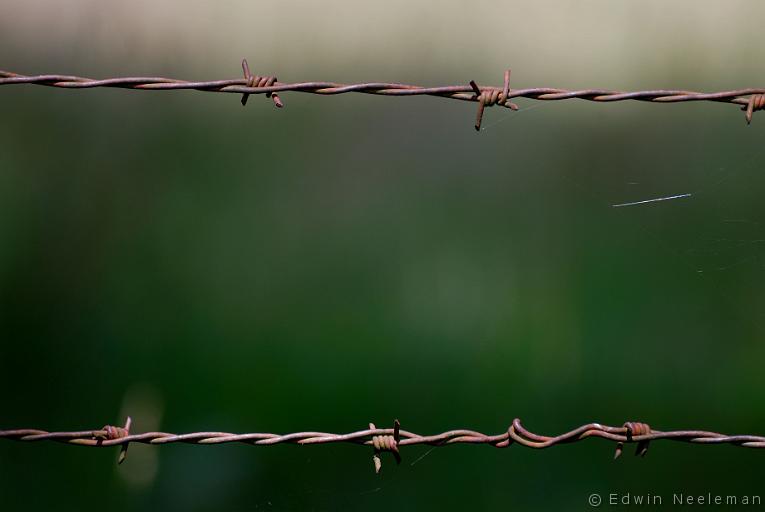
(391, 439)
(751, 100)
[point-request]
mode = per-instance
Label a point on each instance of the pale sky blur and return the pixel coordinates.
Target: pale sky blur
(592, 43)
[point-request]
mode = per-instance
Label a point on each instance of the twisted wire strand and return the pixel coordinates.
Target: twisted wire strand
(750, 100)
(391, 439)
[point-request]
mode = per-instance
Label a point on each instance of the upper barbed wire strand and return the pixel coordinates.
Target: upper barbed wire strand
(751, 100)
(390, 439)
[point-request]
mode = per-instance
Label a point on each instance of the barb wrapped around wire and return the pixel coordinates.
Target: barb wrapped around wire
(750, 100)
(392, 439)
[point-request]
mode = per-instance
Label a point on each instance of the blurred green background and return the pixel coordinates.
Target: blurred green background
(203, 266)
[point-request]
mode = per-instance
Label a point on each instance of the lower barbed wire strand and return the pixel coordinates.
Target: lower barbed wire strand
(386, 438)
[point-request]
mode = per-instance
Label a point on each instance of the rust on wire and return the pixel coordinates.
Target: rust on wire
(490, 96)
(259, 81)
(392, 439)
(750, 100)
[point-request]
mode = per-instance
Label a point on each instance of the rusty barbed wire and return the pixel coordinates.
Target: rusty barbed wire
(750, 100)
(392, 439)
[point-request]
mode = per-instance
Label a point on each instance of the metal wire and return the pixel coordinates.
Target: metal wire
(391, 439)
(750, 100)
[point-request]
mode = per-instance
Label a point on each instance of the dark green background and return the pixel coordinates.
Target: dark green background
(354, 259)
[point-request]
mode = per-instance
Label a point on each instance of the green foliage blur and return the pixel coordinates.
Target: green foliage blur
(203, 266)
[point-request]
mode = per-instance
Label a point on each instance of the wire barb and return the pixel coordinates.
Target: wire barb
(258, 81)
(490, 96)
(110, 433)
(634, 429)
(756, 102)
(750, 100)
(386, 443)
